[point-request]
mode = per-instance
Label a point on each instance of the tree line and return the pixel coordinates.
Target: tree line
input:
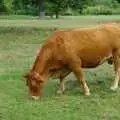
(59, 7)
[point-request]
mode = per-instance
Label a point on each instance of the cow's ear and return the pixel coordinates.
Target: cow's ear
(26, 75)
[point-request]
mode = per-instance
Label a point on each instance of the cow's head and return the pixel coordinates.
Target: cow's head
(34, 82)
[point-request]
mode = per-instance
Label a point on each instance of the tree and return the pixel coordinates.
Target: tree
(16, 5)
(118, 1)
(41, 8)
(25, 7)
(2, 7)
(56, 7)
(80, 4)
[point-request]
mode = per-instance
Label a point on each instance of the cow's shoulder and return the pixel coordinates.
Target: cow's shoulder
(58, 37)
(54, 41)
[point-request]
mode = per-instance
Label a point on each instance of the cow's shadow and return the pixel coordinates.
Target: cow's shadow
(96, 85)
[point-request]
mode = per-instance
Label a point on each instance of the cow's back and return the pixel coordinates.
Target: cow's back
(91, 45)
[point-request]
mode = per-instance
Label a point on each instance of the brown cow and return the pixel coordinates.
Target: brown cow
(70, 51)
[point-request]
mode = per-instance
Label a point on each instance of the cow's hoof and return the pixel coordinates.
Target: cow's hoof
(113, 88)
(87, 94)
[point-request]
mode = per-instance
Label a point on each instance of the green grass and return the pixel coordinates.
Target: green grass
(16, 17)
(63, 22)
(18, 49)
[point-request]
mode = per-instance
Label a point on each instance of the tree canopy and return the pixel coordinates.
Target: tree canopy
(59, 7)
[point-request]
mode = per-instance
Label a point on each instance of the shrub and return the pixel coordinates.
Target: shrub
(98, 10)
(116, 11)
(68, 12)
(3, 8)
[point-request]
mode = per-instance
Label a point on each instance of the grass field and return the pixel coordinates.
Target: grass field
(18, 48)
(63, 22)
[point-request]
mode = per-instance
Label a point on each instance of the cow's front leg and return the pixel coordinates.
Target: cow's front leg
(117, 71)
(61, 88)
(77, 70)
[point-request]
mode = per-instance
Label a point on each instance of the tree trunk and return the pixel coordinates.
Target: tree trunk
(57, 14)
(41, 8)
(41, 14)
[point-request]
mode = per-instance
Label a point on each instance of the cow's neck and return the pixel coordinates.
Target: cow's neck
(41, 65)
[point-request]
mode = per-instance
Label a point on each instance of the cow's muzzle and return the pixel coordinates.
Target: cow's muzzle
(35, 97)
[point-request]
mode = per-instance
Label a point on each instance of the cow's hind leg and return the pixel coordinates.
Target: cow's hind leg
(77, 70)
(61, 88)
(116, 60)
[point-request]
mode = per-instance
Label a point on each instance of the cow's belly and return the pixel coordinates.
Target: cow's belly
(92, 61)
(94, 56)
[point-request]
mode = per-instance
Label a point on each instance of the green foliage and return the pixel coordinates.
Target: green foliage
(8, 5)
(64, 7)
(116, 11)
(104, 7)
(118, 1)
(49, 8)
(68, 12)
(24, 7)
(97, 10)
(59, 7)
(80, 4)
(2, 7)
(101, 10)
(108, 3)
(56, 7)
